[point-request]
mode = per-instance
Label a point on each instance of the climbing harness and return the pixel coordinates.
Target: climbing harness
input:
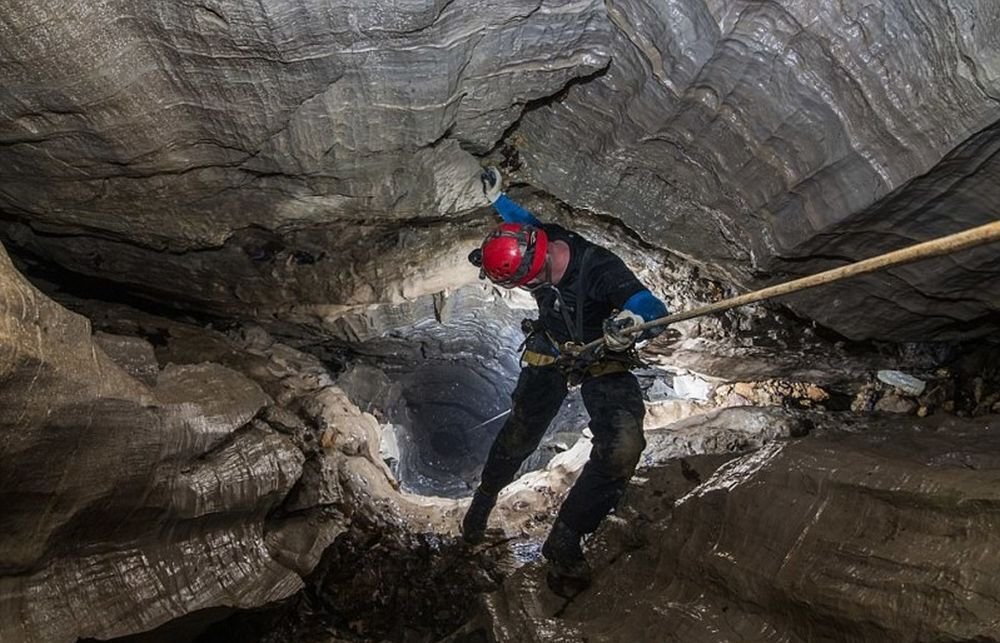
(541, 349)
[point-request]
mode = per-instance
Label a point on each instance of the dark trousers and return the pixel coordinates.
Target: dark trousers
(614, 402)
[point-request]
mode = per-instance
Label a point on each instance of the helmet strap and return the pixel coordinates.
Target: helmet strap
(544, 283)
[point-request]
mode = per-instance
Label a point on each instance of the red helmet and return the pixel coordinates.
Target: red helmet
(514, 253)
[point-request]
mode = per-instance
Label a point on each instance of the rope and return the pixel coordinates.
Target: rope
(977, 236)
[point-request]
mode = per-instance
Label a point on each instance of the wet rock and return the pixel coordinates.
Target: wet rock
(311, 202)
(525, 609)
(192, 173)
(295, 173)
(129, 494)
(298, 542)
(799, 540)
(728, 430)
(692, 128)
(319, 484)
(283, 420)
(894, 403)
(217, 397)
(252, 472)
(154, 503)
(133, 354)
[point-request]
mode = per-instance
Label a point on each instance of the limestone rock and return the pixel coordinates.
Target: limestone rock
(298, 542)
(312, 166)
(340, 109)
(132, 354)
(289, 160)
(754, 136)
(895, 403)
(728, 430)
(838, 536)
(288, 154)
(126, 506)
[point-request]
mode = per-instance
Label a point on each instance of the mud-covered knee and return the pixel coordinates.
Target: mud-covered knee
(512, 445)
(627, 448)
(516, 441)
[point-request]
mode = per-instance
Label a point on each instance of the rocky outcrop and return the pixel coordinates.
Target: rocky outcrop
(142, 485)
(238, 115)
(879, 530)
(283, 155)
(126, 505)
(110, 485)
(779, 139)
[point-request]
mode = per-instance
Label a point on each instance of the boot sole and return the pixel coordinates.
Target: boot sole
(566, 586)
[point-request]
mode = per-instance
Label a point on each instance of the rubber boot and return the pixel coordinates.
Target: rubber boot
(474, 522)
(570, 572)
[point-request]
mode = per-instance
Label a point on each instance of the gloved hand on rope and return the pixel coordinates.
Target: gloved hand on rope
(492, 182)
(616, 340)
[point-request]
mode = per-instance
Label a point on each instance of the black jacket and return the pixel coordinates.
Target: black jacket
(595, 273)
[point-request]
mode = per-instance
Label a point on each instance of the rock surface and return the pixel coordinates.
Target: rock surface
(285, 155)
(96, 465)
(294, 112)
(290, 159)
(129, 504)
(780, 139)
(882, 532)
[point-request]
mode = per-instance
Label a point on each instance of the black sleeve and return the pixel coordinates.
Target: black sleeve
(611, 280)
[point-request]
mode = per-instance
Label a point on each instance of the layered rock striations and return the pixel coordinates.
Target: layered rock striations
(282, 154)
(249, 156)
(312, 166)
(175, 126)
(886, 532)
(126, 505)
(139, 486)
(779, 139)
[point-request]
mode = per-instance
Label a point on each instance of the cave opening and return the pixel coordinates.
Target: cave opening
(441, 389)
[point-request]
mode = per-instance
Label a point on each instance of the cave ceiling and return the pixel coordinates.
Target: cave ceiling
(290, 158)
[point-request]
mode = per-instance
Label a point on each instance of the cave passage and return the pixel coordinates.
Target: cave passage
(440, 390)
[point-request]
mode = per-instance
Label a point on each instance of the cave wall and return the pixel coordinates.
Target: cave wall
(869, 529)
(296, 153)
(778, 139)
(174, 125)
(299, 163)
(151, 166)
(282, 154)
(95, 463)
(142, 482)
